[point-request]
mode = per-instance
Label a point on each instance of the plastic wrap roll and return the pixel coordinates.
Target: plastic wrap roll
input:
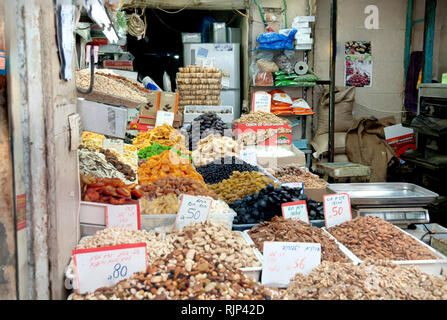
(301, 67)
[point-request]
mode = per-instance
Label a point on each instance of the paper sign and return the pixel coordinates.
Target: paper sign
(444, 78)
(123, 216)
(261, 101)
(207, 62)
(282, 260)
(102, 267)
(296, 210)
(116, 144)
(192, 210)
(164, 117)
(294, 185)
(226, 76)
(337, 209)
(249, 156)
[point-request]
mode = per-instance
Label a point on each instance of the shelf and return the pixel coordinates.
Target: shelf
(297, 50)
(255, 86)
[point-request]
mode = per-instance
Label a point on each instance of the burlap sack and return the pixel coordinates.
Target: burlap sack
(343, 104)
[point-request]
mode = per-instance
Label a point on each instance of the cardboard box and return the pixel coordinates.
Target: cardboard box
(400, 138)
(150, 109)
(168, 102)
(273, 161)
(150, 121)
(280, 138)
(191, 37)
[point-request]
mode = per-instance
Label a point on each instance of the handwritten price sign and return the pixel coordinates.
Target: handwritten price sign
(101, 267)
(192, 210)
(296, 210)
(249, 156)
(164, 117)
(337, 209)
(123, 216)
(283, 260)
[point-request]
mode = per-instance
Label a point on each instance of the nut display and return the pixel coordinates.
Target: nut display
(280, 229)
(261, 117)
(240, 184)
(107, 190)
(94, 163)
(165, 135)
(204, 125)
(184, 274)
(223, 168)
(213, 148)
(167, 163)
(294, 173)
(125, 169)
(377, 280)
(375, 238)
(156, 246)
(111, 84)
(222, 111)
(214, 240)
(264, 204)
(175, 185)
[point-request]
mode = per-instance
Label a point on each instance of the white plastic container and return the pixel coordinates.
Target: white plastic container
(434, 266)
(253, 272)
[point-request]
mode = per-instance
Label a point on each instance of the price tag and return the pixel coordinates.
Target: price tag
(207, 62)
(116, 144)
(192, 209)
(282, 260)
(101, 267)
(296, 210)
(123, 216)
(249, 156)
(337, 209)
(164, 117)
(261, 101)
(294, 185)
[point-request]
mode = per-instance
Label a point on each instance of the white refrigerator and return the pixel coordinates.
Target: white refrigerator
(226, 57)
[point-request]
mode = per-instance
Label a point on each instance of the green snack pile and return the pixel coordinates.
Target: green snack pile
(153, 150)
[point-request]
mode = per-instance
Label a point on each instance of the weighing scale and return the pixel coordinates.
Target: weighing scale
(399, 203)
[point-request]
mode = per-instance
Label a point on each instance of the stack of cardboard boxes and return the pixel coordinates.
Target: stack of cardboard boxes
(160, 101)
(303, 41)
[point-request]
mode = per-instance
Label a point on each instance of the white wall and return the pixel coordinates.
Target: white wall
(385, 96)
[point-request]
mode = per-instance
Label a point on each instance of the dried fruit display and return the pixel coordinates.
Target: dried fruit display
(169, 278)
(375, 238)
(377, 280)
(107, 190)
(261, 117)
(213, 148)
(156, 246)
(240, 184)
(175, 185)
(167, 163)
(223, 168)
(293, 173)
(114, 157)
(165, 135)
(92, 140)
(92, 162)
(280, 229)
(204, 125)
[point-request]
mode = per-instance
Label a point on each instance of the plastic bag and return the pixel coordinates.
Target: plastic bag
(267, 66)
(284, 63)
(167, 82)
(282, 98)
(264, 79)
(273, 40)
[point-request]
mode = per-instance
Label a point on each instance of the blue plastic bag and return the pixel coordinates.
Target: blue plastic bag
(273, 40)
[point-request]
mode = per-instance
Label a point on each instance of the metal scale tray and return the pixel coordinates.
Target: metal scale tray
(389, 194)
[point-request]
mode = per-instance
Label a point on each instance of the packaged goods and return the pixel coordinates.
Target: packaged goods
(240, 184)
(175, 185)
(167, 163)
(94, 163)
(263, 79)
(265, 204)
(294, 173)
(185, 274)
(214, 147)
(261, 117)
(375, 238)
(169, 102)
(280, 229)
(156, 246)
(119, 164)
(223, 168)
(267, 66)
(204, 125)
(109, 190)
(372, 280)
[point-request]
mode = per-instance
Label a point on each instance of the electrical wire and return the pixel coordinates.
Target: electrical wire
(136, 26)
(180, 10)
(262, 14)
(164, 23)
